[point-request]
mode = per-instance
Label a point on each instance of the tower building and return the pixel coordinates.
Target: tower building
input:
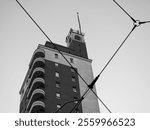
(50, 81)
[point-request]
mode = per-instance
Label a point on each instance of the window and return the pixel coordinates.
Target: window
(56, 56)
(58, 95)
(56, 64)
(72, 70)
(74, 89)
(71, 60)
(75, 98)
(77, 37)
(73, 79)
(57, 74)
(58, 106)
(57, 84)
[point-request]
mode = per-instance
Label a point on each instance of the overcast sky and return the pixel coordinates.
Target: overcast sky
(125, 84)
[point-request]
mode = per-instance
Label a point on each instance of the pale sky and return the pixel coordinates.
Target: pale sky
(125, 84)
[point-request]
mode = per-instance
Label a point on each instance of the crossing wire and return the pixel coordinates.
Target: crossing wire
(108, 64)
(56, 47)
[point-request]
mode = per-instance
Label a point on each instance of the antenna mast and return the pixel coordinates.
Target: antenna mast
(79, 23)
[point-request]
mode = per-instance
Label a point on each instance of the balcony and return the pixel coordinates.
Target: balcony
(37, 94)
(39, 62)
(37, 73)
(37, 83)
(37, 106)
(38, 53)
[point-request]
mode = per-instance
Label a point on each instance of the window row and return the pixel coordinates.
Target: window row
(57, 75)
(59, 107)
(58, 96)
(72, 69)
(58, 85)
(71, 59)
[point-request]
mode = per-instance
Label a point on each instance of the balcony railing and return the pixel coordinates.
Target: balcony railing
(37, 54)
(39, 62)
(37, 73)
(37, 94)
(25, 90)
(37, 105)
(37, 83)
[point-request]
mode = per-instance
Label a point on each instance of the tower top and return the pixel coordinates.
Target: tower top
(75, 41)
(76, 32)
(74, 35)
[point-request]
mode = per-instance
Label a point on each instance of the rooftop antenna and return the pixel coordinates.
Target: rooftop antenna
(79, 23)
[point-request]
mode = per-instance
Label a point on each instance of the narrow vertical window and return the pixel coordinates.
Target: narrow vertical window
(57, 84)
(58, 106)
(75, 100)
(56, 56)
(56, 64)
(72, 70)
(58, 95)
(74, 89)
(57, 74)
(71, 60)
(73, 79)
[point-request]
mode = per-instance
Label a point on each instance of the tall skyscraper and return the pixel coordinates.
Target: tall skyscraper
(50, 81)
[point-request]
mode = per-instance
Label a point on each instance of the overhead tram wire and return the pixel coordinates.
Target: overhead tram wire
(52, 43)
(136, 24)
(66, 103)
(108, 64)
(90, 87)
(55, 46)
(78, 100)
(117, 50)
(33, 20)
(111, 60)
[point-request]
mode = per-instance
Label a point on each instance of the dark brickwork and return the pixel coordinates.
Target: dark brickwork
(65, 89)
